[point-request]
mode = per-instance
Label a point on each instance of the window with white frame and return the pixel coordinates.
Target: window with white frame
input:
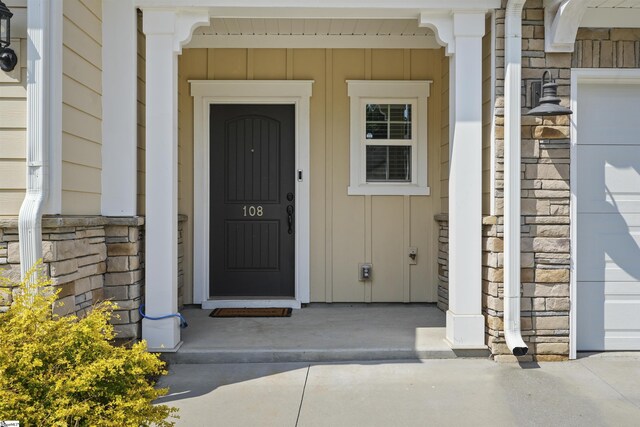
(388, 137)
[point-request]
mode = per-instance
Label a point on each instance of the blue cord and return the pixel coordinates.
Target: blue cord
(183, 323)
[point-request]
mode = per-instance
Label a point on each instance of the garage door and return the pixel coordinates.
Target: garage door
(608, 217)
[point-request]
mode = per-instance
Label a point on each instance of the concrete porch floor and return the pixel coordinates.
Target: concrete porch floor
(318, 333)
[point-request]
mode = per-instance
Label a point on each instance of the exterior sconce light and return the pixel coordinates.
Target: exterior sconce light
(8, 58)
(549, 103)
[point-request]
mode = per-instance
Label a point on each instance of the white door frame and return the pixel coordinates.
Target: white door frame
(207, 92)
(582, 76)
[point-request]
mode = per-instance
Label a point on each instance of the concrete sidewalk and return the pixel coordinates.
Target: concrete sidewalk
(600, 390)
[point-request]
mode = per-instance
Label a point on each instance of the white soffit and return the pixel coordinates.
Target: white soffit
(612, 13)
(313, 33)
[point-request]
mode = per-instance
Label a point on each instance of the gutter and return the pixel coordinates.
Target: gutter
(512, 168)
(38, 134)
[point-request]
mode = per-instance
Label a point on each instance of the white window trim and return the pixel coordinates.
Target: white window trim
(207, 92)
(389, 91)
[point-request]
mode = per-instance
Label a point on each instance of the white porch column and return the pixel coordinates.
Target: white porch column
(119, 108)
(465, 322)
(166, 31)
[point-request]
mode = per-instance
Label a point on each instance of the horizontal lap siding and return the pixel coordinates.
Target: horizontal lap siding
(13, 119)
(82, 107)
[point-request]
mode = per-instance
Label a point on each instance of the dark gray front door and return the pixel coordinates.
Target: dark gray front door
(252, 242)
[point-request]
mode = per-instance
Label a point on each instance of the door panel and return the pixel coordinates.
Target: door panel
(252, 243)
(608, 219)
(610, 179)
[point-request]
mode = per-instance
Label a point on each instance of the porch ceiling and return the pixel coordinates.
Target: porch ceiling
(616, 4)
(307, 27)
(612, 13)
(313, 33)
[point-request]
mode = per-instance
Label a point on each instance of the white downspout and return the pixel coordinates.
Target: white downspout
(512, 170)
(38, 133)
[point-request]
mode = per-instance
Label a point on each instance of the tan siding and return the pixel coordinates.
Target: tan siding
(195, 60)
(13, 123)
(487, 118)
(444, 139)
(142, 50)
(81, 107)
(345, 230)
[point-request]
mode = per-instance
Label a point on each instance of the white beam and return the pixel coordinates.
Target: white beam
(119, 108)
(561, 22)
(442, 25)
(465, 322)
(314, 9)
(166, 31)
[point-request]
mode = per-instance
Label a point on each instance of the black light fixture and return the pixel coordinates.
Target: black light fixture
(8, 58)
(549, 102)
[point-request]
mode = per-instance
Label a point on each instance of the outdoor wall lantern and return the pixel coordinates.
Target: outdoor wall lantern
(549, 103)
(8, 58)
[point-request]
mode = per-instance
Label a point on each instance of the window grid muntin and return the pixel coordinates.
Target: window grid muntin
(412, 143)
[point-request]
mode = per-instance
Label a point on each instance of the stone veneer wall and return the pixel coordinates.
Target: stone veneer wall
(545, 189)
(545, 186)
(89, 259)
(443, 261)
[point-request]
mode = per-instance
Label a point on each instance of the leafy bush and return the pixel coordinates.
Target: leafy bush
(63, 371)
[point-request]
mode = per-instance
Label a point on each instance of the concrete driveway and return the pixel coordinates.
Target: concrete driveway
(600, 390)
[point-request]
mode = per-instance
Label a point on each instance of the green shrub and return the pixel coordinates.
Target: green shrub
(63, 371)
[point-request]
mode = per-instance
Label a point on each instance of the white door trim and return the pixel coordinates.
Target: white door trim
(581, 76)
(207, 92)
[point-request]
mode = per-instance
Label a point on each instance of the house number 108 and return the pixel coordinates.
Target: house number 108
(252, 210)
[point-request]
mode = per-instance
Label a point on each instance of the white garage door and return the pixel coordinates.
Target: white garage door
(608, 217)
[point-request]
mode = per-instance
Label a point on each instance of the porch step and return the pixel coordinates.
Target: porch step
(312, 356)
(319, 333)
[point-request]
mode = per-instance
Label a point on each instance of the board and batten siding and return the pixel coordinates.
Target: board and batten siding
(345, 230)
(141, 132)
(13, 117)
(82, 107)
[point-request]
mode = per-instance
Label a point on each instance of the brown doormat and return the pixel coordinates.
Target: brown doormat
(251, 312)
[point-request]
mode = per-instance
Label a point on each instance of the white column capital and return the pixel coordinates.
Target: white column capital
(469, 23)
(442, 26)
(450, 25)
(179, 23)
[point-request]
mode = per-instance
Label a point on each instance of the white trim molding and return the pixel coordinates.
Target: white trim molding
(54, 201)
(465, 321)
(119, 108)
(411, 92)
(561, 22)
(207, 92)
(584, 76)
(166, 32)
(442, 26)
